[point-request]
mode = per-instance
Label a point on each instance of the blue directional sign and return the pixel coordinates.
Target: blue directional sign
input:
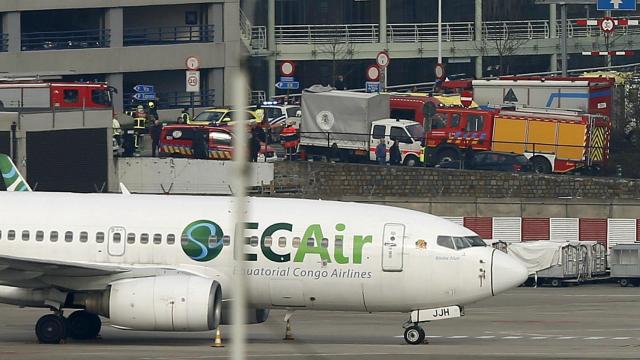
(289, 85)
(144, 96)
(144, 89)
(373, 86)
(616, 5)
(287, 79)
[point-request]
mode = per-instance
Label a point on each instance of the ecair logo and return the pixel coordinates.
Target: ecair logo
(198, 246)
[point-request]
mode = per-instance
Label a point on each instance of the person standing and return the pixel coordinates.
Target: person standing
(395, 157)
(257, 138)
(184, 117)
(340, 83)
(381, 153)
(156, 130)
(290, 140)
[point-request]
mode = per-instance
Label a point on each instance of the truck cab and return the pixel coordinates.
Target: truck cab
(409, 135)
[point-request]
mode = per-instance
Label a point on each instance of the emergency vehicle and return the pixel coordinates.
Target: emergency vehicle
(177, 141)
(54, 95)
(553, 140)
(413, 106)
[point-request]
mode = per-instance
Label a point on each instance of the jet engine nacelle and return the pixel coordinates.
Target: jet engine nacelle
(166, 303)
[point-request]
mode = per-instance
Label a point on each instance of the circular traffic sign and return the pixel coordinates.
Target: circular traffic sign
(192, 80)
(439, 71)
(287, 68)
(373, 73)
(466, 98)
(382, 59)
(193, 63)
(607, 24)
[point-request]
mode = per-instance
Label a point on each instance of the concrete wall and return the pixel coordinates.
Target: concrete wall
(331, 181)
(24, 5)
(186, 176)
(158, 16)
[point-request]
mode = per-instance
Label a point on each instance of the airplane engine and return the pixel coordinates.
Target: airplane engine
(165, 303)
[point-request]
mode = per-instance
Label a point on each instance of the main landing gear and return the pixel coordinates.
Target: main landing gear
(80, 325)
(414, 334)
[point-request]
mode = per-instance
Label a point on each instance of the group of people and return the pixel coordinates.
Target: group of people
(395, 157)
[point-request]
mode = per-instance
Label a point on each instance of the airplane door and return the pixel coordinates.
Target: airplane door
(116, 241)
(392, 247)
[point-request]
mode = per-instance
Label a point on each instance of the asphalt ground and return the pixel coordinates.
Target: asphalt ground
(582, 322)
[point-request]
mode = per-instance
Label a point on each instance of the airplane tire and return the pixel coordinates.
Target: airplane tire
(51, 329)
(83, 325)
(414, 335)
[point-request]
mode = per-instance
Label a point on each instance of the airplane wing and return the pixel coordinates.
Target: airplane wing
(55, 268)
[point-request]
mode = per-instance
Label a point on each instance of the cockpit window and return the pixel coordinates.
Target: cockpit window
(446, 241)
(475, 241)
(461, 243)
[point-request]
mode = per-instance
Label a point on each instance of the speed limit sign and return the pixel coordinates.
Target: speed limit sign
(193, 81)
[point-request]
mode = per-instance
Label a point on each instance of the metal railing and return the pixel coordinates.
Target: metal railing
(59, 40)
(428, 32)
(168, 35)
(178, 100)
(4, 42)
(327, 34)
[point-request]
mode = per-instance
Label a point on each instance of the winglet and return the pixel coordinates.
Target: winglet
(13, 180)
(124, 190)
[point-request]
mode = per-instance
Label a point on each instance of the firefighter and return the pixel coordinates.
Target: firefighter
(152, 110)
(290, 140)
(184, 117)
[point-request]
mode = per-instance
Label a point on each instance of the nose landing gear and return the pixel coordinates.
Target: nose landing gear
(414, 335)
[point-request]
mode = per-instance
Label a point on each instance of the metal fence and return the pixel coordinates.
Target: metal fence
(140, 36)
(327, 34)
(179, 100)
(4, 42)
(58, 40)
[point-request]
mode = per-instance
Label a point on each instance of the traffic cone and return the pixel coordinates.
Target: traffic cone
(218, 340)
(287, 332)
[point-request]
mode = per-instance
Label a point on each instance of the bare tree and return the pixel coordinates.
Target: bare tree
(338, 48)
(500, 43)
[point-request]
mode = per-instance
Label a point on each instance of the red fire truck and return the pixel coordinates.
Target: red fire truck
(553, 140)
(39, 95)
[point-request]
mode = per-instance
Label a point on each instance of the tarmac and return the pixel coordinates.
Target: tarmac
(600, 321)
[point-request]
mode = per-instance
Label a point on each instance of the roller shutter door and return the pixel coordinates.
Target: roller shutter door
(621, 231)
(480, 225)
(5, 148)
(455, 219)
(507, 229)
(563, 229)
(593, 230)
(534, 229)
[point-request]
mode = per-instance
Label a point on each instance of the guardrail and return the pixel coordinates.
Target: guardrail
(168, 35)
(428, 32)
(58, 40)
(179, 100)
(4, 42)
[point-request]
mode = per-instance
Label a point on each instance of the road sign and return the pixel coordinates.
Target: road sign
(373, 86)
(373, 73)
(144, 96)
(607, 25)
(193, 81)
(193, 63)
(439, 72)
(288, 85)
(383, 59)
(466, 98)
(144, 89)
(616, 5)
(287, 68)
(287, 79)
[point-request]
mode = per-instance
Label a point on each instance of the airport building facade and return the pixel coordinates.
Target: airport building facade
(126, 43)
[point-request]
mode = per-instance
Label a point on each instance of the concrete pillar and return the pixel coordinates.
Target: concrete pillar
(477, 27)
(271, 46)
(117, 81)
(383, 22)
(215, 17)
(216, 82)
(553, 33)
(234, 50)
(11, 25)
(114, 22)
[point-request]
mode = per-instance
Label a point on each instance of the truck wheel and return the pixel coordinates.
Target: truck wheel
(624, 282)
(411, 160)
(447, 155)
(540, 165)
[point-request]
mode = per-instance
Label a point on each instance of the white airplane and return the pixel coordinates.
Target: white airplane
(165, 263)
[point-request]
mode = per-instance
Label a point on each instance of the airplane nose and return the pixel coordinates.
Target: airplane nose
(506, 272)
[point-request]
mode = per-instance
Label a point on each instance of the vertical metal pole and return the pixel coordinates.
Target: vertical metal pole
(607, 39)
(271, 46)
(563, 37)
(193, 105)
(439, 31)
(14, 142)
(553, 33)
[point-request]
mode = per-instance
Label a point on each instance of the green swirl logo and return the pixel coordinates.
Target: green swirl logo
(198, 245)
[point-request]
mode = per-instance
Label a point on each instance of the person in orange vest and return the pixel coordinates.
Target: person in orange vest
(289, 138)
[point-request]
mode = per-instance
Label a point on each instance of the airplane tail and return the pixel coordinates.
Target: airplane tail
(11, 176)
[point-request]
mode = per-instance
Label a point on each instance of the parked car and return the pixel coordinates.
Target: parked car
(177, 141)
(221, 117)
(491, 160)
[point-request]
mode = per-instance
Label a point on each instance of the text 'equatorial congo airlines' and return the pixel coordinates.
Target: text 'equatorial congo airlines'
(173, 271)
